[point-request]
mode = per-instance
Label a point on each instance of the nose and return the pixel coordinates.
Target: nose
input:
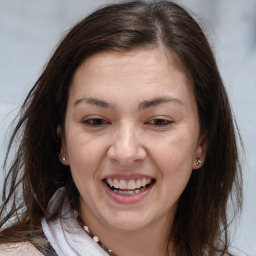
(126, 147)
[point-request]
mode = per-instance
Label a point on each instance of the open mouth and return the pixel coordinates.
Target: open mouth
(130, 187)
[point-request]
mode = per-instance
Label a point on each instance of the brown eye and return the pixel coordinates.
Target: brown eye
(95, 122)
(160, 122)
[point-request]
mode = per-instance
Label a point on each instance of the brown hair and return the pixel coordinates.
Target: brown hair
(201, 222)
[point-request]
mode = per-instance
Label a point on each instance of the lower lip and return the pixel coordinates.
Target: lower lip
(127, 199)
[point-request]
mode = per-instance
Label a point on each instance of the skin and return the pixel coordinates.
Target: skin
(160, 140)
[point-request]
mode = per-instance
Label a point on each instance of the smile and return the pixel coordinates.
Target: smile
(128, 187)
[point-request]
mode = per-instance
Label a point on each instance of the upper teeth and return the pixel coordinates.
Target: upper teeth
(131, 184)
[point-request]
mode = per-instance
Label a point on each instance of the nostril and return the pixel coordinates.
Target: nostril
(126, 155)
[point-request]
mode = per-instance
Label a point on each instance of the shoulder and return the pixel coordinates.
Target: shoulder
(21, 249)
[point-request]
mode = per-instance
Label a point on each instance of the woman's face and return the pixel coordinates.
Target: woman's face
(131, 137)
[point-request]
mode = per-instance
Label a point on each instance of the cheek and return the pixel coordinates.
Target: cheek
(84, 155)
(174, 160)
(174, 153)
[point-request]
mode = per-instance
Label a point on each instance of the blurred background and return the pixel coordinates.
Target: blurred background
(30, 29)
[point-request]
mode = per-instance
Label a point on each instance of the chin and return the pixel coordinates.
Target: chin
(128, 221)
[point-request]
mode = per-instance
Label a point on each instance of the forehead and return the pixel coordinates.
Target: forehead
(153, 63)
(125, 80)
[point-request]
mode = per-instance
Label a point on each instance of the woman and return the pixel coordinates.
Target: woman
(128, 144)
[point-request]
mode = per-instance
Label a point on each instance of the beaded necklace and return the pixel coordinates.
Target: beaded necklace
(94, 238)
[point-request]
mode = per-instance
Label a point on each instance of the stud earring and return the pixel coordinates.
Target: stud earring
(64, 159)
(198, 162)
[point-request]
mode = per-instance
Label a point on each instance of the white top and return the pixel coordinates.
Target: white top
(66, 235)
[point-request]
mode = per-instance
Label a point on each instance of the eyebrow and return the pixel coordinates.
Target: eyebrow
(159, 100)
(94, 101)
(143, 105)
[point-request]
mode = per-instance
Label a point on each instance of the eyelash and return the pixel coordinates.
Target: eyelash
(95, 122)
(98, 122)
(160, 122)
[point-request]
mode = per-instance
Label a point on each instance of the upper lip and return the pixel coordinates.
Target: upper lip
(126, 177)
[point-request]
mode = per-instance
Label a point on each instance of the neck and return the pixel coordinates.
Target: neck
(149, 240)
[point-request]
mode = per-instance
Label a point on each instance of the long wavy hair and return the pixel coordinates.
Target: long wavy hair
(214, 193)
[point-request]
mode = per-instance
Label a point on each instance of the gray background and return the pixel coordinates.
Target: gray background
(30, 29)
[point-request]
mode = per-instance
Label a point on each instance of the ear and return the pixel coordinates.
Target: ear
(200, 152)
(63, 155)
